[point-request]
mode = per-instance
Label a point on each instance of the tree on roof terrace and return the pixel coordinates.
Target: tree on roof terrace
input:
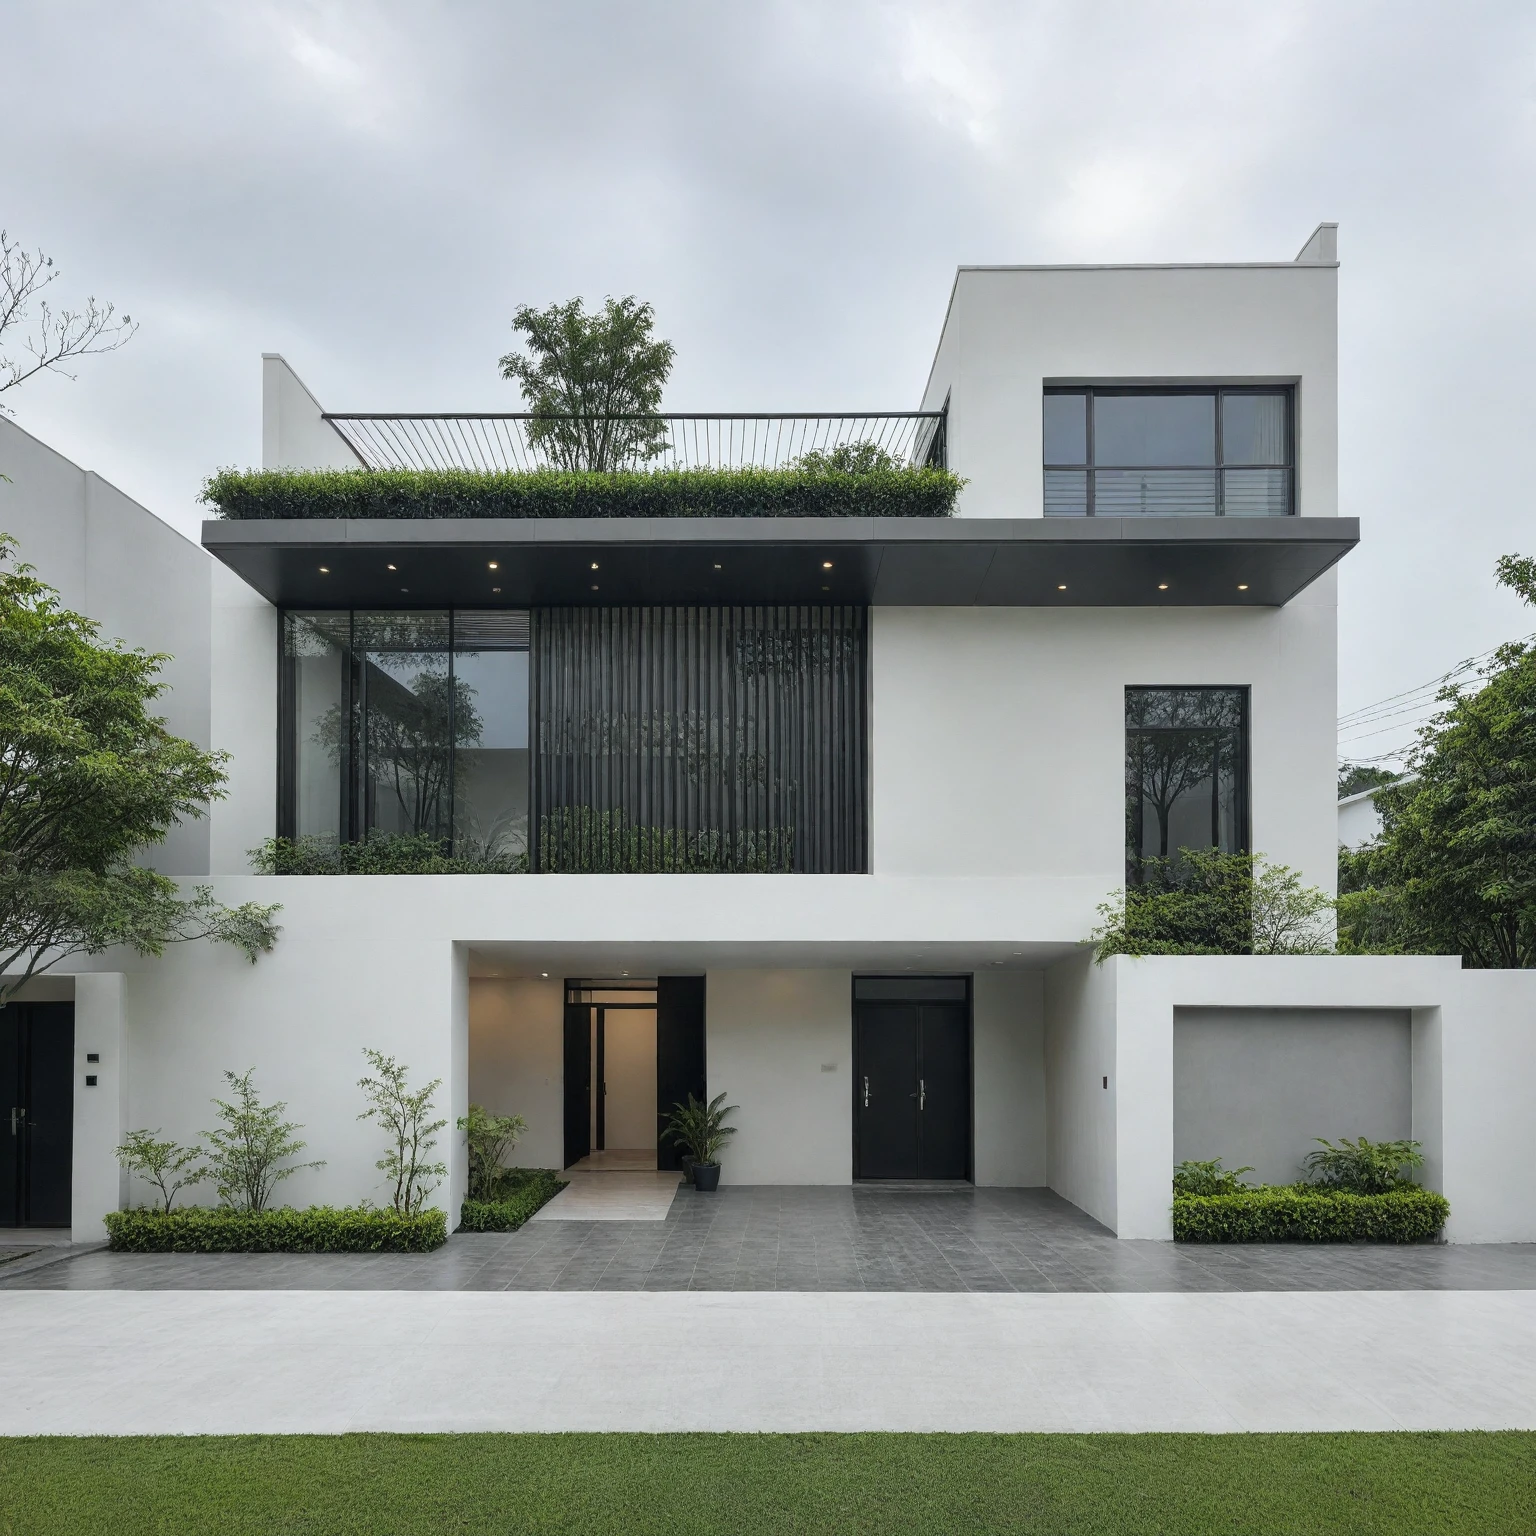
(593, 382)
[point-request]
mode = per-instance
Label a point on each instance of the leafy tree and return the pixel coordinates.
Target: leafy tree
(165, 1164)
(404, 1115)
(51, 338)
(248, 1155)
(88, 779)
(1454, 869)
(489, 1139)
(1205, 902)
(1355, 777)
(847, 459)
(592, 382)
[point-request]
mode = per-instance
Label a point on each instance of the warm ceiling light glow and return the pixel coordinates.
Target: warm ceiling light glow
(717, 565)
(495, 589)
(325, 570)
(1162, 586)
(594, 565)
(1061, 587)
(594, 586)
(392, 567)
(826, 565)
(493, 565)
(1242, 586)
(544, 974)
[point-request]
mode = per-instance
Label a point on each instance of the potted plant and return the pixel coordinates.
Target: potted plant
(701, 1131)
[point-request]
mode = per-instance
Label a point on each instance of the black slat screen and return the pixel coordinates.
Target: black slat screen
(681, 739)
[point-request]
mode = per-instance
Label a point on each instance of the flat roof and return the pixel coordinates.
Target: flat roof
(1118, 562)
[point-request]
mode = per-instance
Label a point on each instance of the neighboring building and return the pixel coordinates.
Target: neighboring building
(1359, 817)
(918, 751)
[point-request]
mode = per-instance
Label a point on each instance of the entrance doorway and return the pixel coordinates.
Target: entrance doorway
(37, 1099)
(633, 1048)
(912, 1077)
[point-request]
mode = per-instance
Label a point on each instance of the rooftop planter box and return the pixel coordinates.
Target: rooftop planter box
(465, 493)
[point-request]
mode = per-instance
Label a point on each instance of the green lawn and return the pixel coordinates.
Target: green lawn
(689, 1485)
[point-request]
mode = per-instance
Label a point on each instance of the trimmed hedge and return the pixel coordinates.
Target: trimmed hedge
(319, 1229)
(424, 493)
(1300, 1214)
(421, 854)
(530, 1189)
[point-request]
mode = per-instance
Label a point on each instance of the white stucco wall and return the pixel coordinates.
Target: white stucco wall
(997, 737)
(517, 1061)
(1008, 1078)
(1359, 820)
(294, 434)
(1080, 1033)
(770, 1037)
(146, 585)
(243, 721)
(1012, 330)
(98, 1184)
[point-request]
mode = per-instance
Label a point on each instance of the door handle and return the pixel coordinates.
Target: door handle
(866, 1093)
(18, 1119)
(922, 1095)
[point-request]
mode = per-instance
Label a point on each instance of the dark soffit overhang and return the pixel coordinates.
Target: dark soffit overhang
(1101, 562)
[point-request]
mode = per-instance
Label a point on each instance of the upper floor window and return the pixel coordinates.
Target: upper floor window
(1178, 452)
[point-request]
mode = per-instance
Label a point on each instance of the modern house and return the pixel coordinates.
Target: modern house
(812, 810)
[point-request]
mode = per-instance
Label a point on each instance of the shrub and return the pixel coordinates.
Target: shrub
(1206, 902)
(447, 493)
(699, 1128)
(248, 1154)
(393, 854)
(1210, 1178)
(1363, 1167)
(576, 839)
(488, 1138)
(165, 1164)
(1306, 1214)
(517, 1195)
(319, 1229)
(404, 1115)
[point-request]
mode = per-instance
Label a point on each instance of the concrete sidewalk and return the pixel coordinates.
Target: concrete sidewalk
(228, 1362)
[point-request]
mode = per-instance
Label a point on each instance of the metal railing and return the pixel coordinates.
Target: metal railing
(703, 440)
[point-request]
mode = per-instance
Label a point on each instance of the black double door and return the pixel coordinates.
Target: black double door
(912, 1090)
(37, 1100)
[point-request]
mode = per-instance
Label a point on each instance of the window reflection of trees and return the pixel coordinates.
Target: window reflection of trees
(1184, 766)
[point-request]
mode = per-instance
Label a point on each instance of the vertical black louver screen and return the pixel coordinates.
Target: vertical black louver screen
(676, 739)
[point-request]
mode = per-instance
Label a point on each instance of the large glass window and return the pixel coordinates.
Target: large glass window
(1182, 452)
(1186, 772)
(406, 724)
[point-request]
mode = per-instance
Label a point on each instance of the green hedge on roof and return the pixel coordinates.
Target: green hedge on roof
(422, 493)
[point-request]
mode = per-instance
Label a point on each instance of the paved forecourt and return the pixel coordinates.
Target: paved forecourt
(322, 1362)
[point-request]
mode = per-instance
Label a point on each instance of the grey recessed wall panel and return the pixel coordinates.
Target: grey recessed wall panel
(1256, 1085)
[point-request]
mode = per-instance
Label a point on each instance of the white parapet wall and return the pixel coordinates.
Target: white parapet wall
(1395, 1045)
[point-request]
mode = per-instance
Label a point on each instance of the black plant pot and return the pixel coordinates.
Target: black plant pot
(686, 1164)
(706, 1177)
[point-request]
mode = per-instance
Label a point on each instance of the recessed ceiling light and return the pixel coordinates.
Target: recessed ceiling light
(1242, 586)
(826, 565)
(1162, 586)
(594, 565)
(405, 589)
(392, 567)
(717, 565)
(493, 565)
(594, 586)
(826, 589)
(495, 589)
(544, 974)
(1061, 586)
(325, 570)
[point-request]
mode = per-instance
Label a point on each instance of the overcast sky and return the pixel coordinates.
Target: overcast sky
(372, 189)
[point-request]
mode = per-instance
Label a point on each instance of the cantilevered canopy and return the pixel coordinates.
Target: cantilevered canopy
(938, 562)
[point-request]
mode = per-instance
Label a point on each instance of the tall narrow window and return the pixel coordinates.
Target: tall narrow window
(1168, 452)
(1186, 772)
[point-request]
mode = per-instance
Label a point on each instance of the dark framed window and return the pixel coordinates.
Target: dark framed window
(405, 723)
(1186, 773)
(1169, 452)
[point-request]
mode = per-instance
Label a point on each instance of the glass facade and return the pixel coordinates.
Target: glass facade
(1182, 452)
(587, 739)
(406, 724)
(1186, 772)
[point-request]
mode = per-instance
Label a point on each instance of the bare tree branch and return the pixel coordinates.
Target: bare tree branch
(50, 337)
